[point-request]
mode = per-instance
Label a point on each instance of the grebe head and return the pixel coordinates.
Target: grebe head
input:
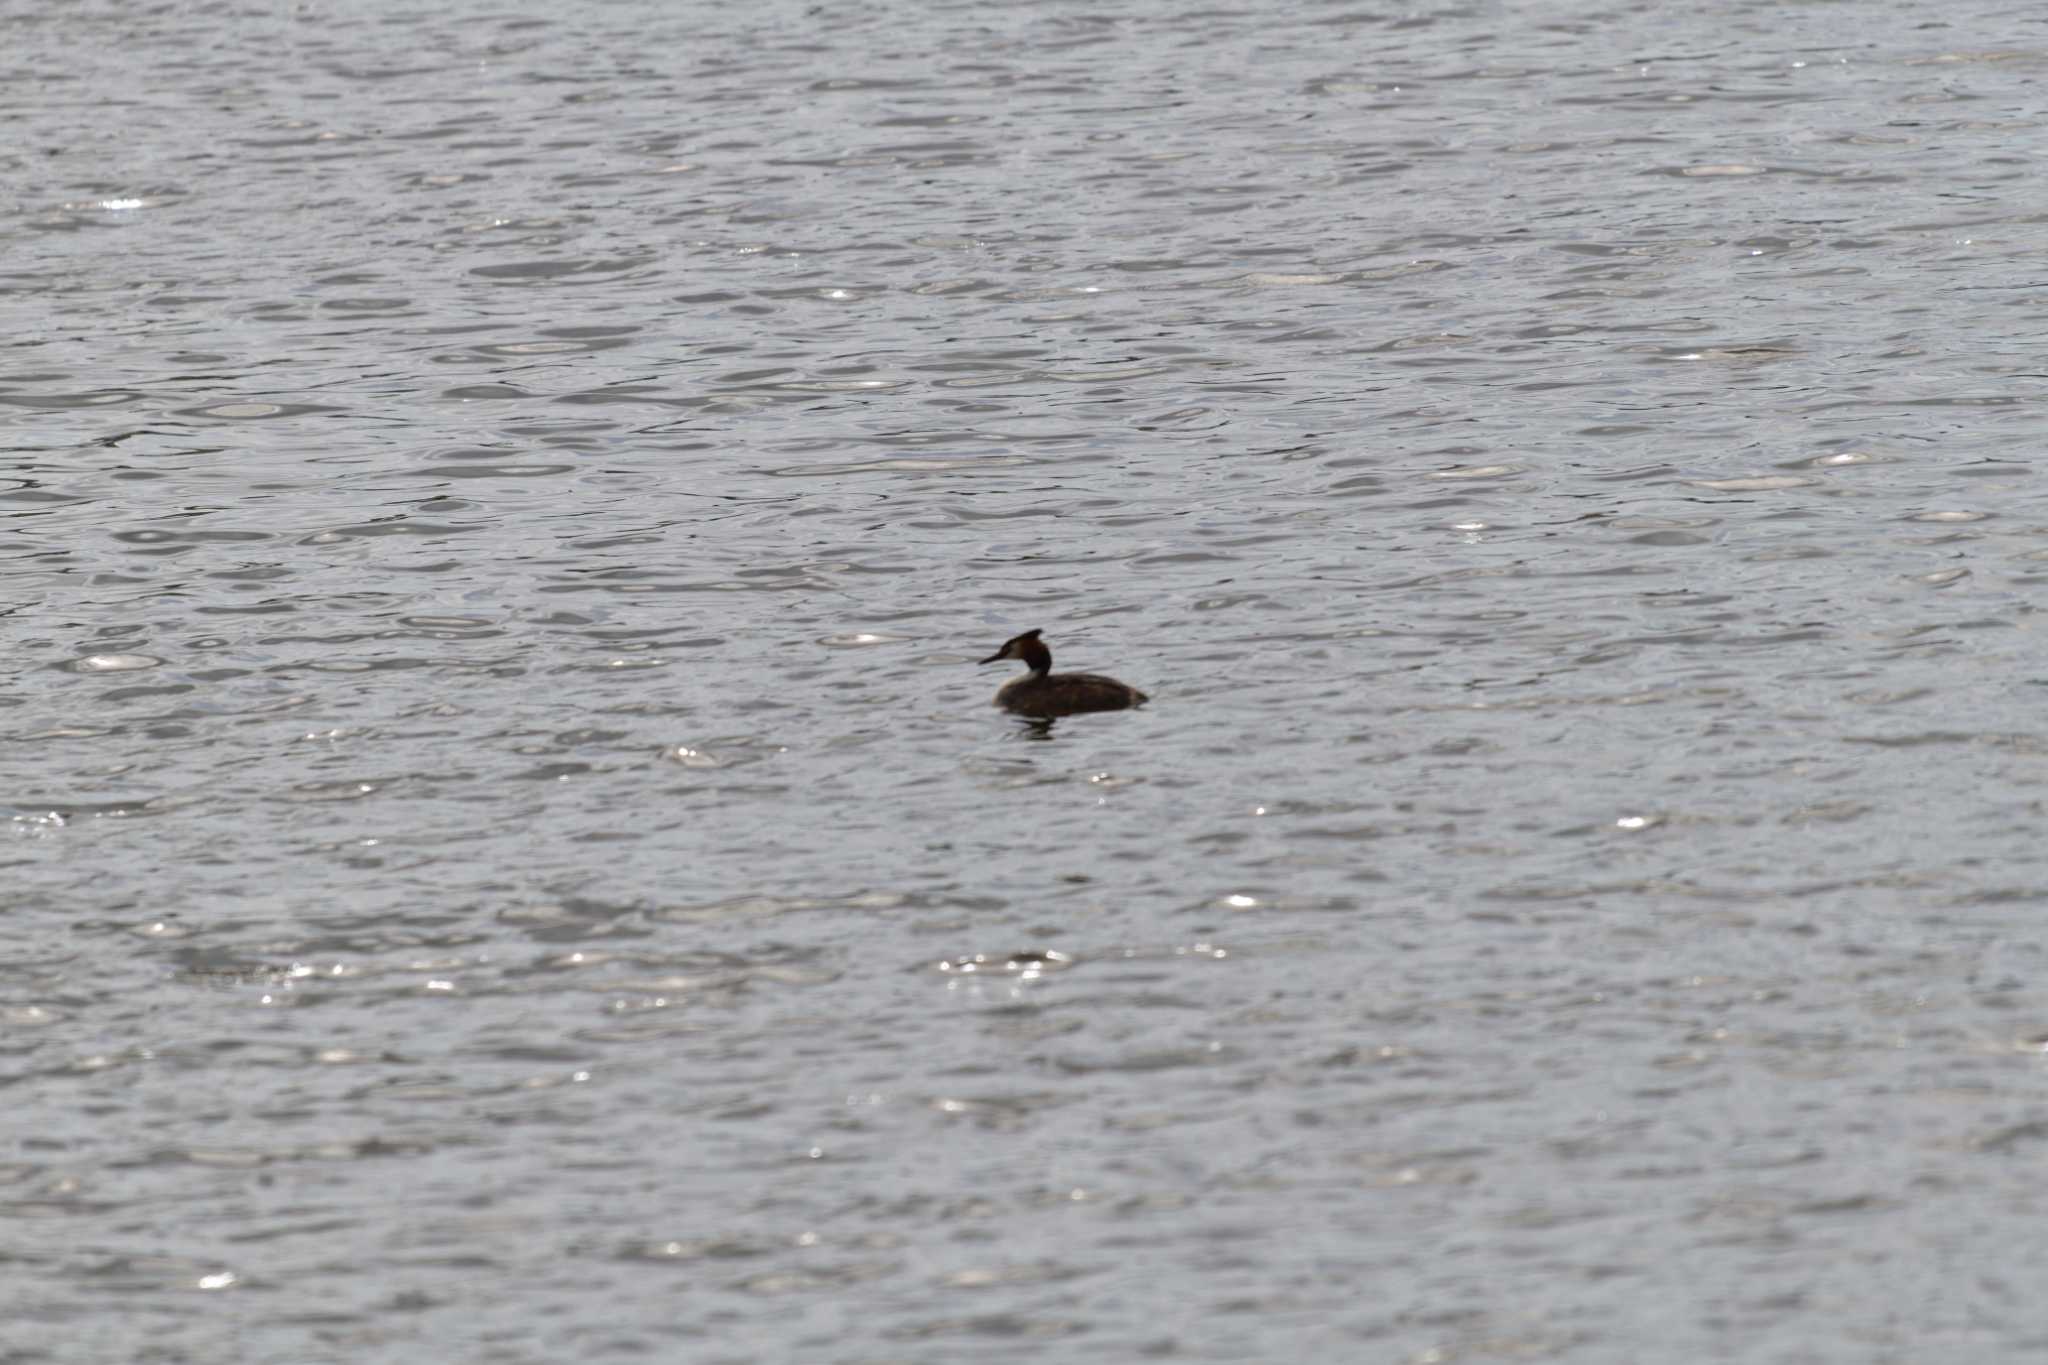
(1027, 647)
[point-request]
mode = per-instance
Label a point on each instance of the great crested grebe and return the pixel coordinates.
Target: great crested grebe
(1043, 694)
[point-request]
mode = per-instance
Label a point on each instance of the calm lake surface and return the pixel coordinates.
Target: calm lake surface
(505, 854)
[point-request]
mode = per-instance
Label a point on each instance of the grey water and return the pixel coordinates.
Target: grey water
(505, 853)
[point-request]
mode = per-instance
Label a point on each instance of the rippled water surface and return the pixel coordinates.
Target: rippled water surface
(506, 855)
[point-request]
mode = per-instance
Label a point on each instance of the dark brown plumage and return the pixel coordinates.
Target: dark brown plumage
(1044, 695)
